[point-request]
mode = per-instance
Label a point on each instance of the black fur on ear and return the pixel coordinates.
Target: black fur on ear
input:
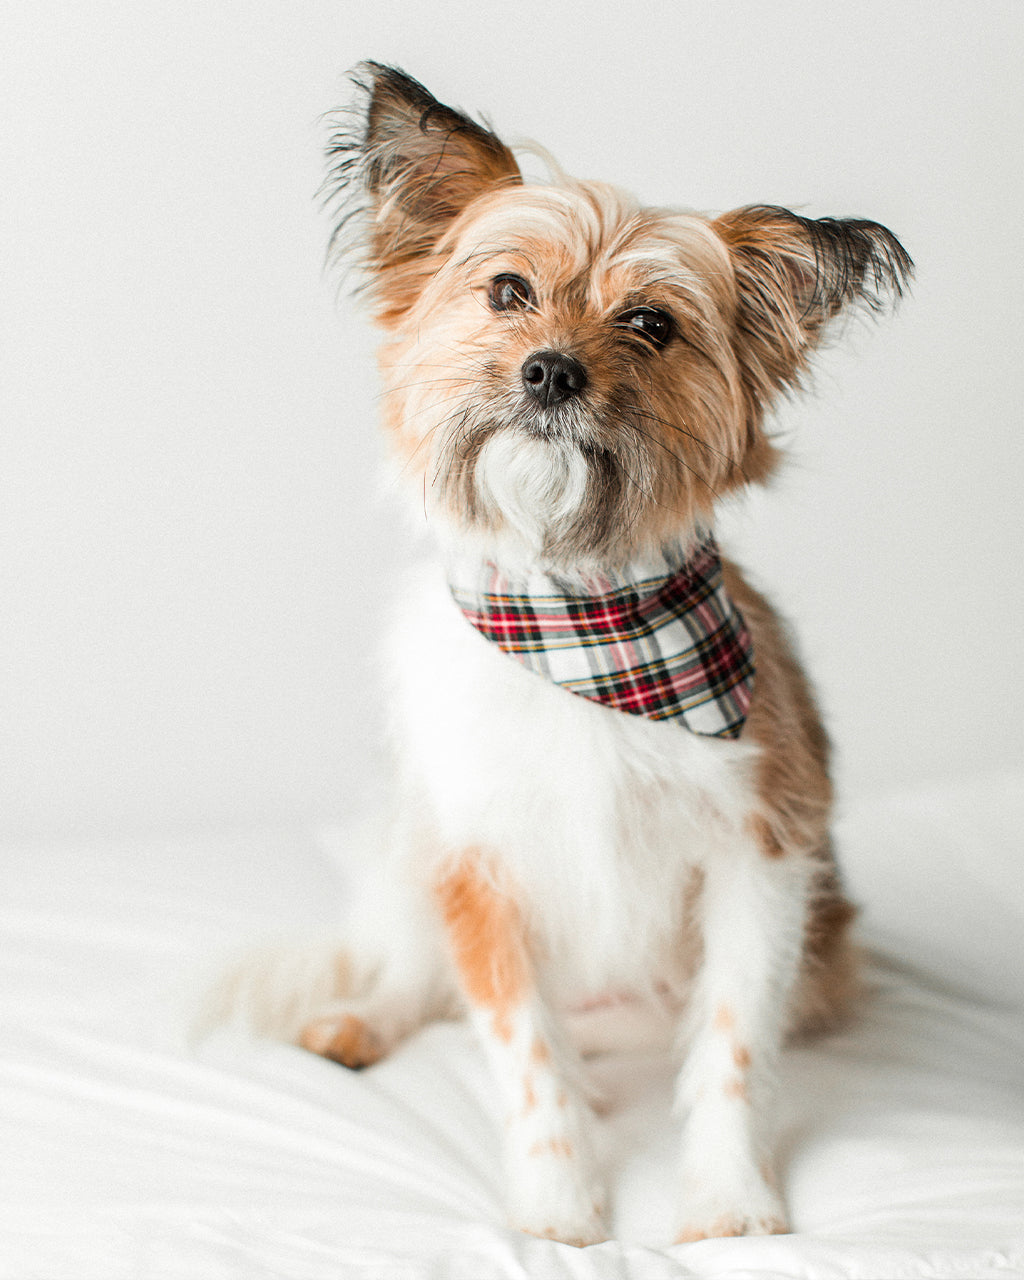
(793, 274)
(405, 166)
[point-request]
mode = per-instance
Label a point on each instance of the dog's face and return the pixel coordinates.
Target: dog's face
(569, 374)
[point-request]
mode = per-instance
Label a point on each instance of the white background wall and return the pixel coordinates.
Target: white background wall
(193, 557)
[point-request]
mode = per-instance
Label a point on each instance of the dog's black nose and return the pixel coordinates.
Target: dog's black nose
(551, 377)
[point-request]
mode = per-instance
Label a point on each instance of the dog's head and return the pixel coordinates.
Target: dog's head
(568, 372)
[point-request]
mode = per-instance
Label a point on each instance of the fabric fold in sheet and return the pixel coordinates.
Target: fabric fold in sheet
(129, 1152)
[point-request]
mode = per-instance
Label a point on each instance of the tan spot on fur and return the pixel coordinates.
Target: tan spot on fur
(347, 1040)
(562, 1099)
(342, 974)
(737, 1089)
(554, 1147)
(725, 1019)
(741, 1056)
(529, 1096)
(767, 841)
(553, 1233)
(717, 1230)
(539, 1052)
(486, 938)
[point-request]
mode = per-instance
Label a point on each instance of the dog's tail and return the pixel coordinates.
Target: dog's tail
(275, 991)
(383, 963)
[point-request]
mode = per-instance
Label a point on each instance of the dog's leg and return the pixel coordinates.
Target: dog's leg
(752, 912)
(553, 1185)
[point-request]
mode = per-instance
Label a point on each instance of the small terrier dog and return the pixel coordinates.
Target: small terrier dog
(612, 791)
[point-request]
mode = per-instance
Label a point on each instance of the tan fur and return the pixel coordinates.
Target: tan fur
(796, 804)
(486, 939)
(725, 1019)
(348, 1041)
(673, 428)
(737, 1089)
(723, 1228)
(540, 1053)
(555, 1147)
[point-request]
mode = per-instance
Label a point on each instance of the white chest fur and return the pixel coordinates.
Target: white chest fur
(599, 818)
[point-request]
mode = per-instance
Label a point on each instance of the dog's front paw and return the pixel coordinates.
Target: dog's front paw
(752, 1210)
(556, 1193)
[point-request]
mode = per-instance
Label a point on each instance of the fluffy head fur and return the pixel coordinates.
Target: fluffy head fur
(686, 329)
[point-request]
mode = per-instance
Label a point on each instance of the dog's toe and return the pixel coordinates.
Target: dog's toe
(345, 1039)
(732, 1224)
(754, 1209)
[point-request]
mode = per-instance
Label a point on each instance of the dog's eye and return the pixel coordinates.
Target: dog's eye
(650, 323)
(509, 293)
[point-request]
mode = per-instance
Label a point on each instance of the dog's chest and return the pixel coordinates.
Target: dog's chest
(599, 818)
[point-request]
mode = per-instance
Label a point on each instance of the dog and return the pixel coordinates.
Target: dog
(611, 786)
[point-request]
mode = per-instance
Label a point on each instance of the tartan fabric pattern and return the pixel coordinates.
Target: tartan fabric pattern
(663, 640)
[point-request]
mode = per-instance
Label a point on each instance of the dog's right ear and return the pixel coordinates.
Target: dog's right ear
(413, 165)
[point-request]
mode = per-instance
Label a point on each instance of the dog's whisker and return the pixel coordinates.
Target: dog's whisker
(653, 439)
(454, 380)
(680, 429)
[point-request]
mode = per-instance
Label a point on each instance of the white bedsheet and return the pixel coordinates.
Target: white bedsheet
(125, 1153)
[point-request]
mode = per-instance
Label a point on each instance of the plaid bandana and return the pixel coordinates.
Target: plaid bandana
(661, 640)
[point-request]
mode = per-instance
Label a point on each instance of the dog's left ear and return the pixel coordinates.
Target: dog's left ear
(794, 274)
(415, 165)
